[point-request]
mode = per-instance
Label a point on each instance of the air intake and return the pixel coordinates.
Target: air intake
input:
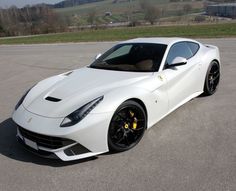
(53, 99)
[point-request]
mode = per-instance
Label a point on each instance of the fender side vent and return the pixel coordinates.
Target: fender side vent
(68, 73)
(53, 99)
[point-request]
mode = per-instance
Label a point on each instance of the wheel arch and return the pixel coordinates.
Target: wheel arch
(206, 91)
(141, 103)
(212, 60)
(216, 60)
(116, 148)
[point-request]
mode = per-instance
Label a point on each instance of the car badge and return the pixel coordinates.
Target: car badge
(160, 77)
(30, 119)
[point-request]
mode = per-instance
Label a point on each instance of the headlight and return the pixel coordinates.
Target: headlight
(80, 113)
(22, 99)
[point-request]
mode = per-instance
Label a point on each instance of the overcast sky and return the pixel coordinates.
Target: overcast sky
(21, 3)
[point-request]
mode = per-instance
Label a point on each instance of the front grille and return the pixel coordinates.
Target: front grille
(39, 152)
(44, 140)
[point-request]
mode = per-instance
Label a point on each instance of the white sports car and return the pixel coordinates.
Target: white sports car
(109, 104)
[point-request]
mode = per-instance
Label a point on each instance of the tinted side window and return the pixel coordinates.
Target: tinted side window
(193, 46)
(124, 50)
(179, 50)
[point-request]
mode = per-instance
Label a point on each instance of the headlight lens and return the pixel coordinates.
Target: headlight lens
(22, 99)
(80, 113)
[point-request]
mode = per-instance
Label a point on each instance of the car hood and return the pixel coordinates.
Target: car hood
(60, 95)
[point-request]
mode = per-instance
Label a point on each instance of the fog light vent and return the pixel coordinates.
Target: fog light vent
(77, 149)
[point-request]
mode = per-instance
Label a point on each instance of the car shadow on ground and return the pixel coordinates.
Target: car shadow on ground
(10, 148)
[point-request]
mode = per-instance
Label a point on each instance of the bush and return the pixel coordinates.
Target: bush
(200, 18)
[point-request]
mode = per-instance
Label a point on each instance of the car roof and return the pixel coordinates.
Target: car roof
(159, 40)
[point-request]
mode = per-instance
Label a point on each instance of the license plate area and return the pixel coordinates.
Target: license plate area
(31, 144)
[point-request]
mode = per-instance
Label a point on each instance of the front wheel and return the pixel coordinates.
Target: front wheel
(212, 78)
(127, 126)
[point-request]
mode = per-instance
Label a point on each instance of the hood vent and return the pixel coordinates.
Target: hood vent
(53, 99)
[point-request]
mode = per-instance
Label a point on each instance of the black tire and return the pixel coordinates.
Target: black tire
(212, 78)
(127, 126)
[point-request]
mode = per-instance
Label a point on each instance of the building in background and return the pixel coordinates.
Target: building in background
(222, 10)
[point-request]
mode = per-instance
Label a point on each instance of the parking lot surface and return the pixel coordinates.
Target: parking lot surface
(193, 148)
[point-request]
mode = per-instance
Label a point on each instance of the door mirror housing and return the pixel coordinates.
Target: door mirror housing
(97, 56)
(178, 61)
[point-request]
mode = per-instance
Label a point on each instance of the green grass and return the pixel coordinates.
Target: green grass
(125, 8)
(194, 31)
(104, 6)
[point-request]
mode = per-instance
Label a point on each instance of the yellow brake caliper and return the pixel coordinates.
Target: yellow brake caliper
(135, 123)
(135, 120)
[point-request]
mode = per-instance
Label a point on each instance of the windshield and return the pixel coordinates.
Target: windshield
(139, 57)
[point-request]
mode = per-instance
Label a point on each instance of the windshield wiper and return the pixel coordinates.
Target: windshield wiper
(106, 67)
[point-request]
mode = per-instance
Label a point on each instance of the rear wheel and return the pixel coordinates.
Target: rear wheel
(212, 78)
(127, 126)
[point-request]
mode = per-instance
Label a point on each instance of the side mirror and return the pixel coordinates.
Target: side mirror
(97, 56)
(178, 61)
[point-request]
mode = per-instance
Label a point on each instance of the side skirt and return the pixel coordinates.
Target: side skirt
(177, 106)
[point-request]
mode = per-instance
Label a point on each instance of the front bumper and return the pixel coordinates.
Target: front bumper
(45, 137)
(38, 152)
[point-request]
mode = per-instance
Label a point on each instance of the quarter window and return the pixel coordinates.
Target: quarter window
(194, 47)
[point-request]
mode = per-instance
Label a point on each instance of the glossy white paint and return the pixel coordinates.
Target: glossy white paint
(161, 92)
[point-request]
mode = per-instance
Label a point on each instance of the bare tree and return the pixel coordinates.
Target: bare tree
(92, 16)
(144, 3)
(187, 8)
(29, 20)
(151, 12)
(2, 31)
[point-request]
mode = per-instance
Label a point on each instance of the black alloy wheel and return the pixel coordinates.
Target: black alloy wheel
(212, 78)
(127, 126)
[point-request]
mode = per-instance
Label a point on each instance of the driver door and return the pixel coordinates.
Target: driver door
(182, 81)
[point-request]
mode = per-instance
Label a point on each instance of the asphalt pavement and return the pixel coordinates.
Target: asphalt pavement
(192, 149)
